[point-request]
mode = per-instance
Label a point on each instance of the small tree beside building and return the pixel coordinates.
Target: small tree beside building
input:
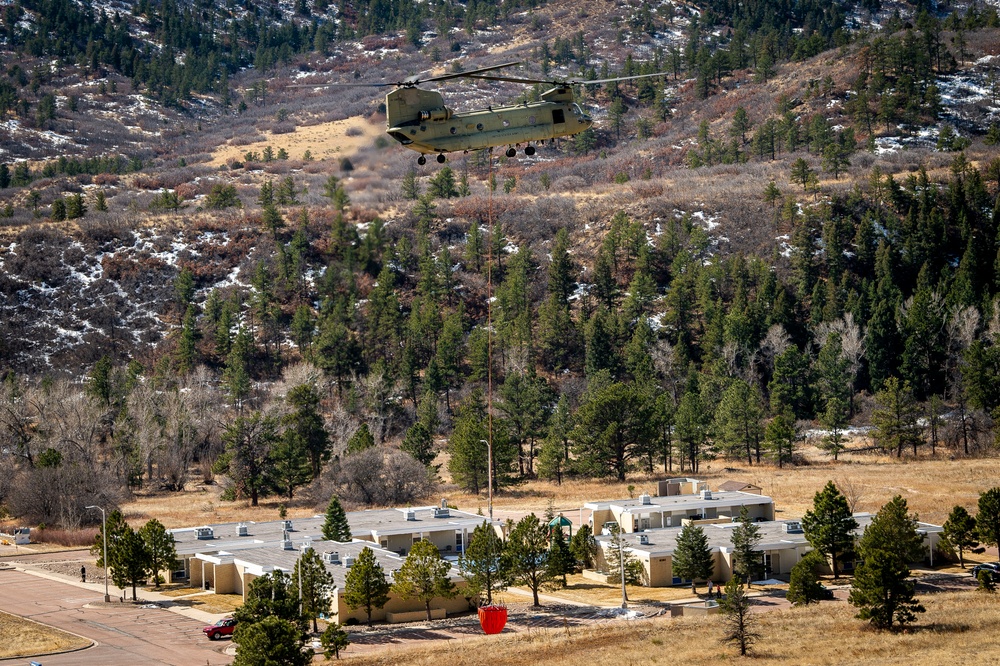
(424, 576)
(748, 562)
(829, 525)
(959, 534)
(160, 548)
(316, 583)
(692, 557)
(528, 554)
(881, 590)
(483, 565)
(366, 586)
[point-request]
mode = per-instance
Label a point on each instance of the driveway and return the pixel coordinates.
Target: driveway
(125, 634)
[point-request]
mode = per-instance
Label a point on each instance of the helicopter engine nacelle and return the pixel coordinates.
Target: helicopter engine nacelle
(413, 105)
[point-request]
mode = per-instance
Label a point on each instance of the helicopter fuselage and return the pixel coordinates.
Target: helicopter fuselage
(419, 120)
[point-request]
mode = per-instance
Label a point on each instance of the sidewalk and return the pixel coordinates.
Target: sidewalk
(147, 596)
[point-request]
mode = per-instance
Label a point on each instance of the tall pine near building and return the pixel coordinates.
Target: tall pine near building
(882, 591)
(335, 527)
(692, 557)
(829, 525)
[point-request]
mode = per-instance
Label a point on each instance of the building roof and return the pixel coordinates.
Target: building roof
(736, 485)
(372, 523)
(773, 536)
(679, 502)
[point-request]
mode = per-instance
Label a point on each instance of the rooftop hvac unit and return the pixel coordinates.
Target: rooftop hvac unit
(242, 530)
(287, 544)
(643, 539)
(286, 525)
(332, 558)
(348, 562)
(645, 498)
(205, 533)
(411, 514)
(791, 527)
(444, 512)
(706, 494)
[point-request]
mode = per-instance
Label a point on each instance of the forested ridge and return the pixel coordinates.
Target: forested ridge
(314, 339)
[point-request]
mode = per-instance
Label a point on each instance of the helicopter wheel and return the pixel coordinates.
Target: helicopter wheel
(530, 150)
(511, 152)
(421, 160)
(441, 158)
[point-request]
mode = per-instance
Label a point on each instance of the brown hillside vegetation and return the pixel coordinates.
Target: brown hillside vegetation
(958, 627)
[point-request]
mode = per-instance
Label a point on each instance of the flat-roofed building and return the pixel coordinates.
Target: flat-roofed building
(649, 512)
(782, 542)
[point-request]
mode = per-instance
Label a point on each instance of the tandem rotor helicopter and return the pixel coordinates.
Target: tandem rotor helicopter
(419, 120)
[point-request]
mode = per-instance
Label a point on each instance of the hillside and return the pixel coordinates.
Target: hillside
(795, 228)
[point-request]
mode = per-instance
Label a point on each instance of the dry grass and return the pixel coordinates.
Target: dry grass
(325, 140)
(931, 487)
(213, 603)
(958, 627)
(597, 594)
(23, 637)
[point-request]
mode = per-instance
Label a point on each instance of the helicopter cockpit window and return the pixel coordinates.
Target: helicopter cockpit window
(577, 110)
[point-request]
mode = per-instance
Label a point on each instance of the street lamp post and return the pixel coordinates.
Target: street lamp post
(104, 533)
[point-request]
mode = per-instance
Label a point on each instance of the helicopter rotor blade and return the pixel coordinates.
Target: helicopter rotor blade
(574, 82)
(341, 85)
(413, 80)
(512, 79)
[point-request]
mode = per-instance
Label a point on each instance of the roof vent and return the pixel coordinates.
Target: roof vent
(307, 545)
(706, 494)
(792, 527)
(645, 498)
(411, 514)
(205, 533)
(242, 530)
(643, 539)
(444, 503)
(348, 562)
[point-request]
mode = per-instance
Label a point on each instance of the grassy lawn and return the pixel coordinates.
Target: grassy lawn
(174, 590)
(23, 637)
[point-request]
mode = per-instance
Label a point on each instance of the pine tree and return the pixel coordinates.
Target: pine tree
(410, 188)
(527, 553)
(960, 533)
(882, 590)
(737, 424)
(272, 640)
(334, 639)
(305, 426)
(366, 586)
(988, 518)
(483, 565)
(739, 622)
(335, 525)
(361, 440)
(583, 545)
(316, 585)
(829, 526)
(620, 558)
(160, 548)
(803, 584)
(692, 556)
(128, 559)
(424, 576)
(561, 560)
(748, 562)
(419, 444)
(780, 436)
(895, 417)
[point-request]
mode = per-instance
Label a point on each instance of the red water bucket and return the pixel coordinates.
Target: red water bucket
(493, 618)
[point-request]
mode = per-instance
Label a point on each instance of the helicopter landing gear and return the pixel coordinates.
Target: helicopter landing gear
(530, 150)
(511, 152)
(421, 160)
(441, 158)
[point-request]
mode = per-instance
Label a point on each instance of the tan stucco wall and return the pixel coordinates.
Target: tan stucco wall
(396, 605)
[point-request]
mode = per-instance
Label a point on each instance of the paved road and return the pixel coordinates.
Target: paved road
(125, 634)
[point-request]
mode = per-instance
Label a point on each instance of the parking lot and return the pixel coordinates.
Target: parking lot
(124, 633)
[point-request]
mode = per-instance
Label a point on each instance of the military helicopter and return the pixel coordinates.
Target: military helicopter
(419, 120)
